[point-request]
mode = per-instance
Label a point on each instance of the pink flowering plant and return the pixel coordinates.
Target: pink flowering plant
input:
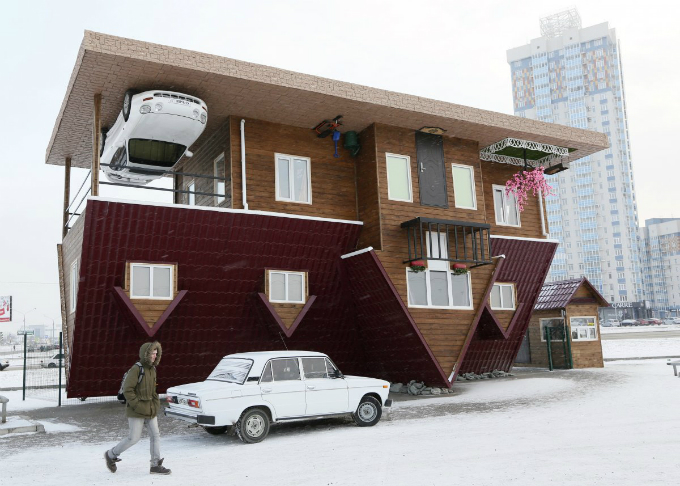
(528, 180)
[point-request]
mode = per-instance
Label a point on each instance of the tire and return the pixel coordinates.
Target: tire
(216, 430)
(127, 103)
(51, 365)
(253, 426)
(368, 412)
(102, 140)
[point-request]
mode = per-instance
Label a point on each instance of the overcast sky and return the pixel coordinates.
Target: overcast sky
(446, 50)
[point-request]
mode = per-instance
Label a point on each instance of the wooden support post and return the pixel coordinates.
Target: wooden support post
(67, 195)
(96, 140)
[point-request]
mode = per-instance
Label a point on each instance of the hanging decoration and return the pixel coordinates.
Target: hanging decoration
(528, 180)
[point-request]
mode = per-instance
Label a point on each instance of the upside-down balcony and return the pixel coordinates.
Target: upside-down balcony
(451, 241)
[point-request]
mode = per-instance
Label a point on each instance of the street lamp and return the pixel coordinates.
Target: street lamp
(45, 315)
(24, 314)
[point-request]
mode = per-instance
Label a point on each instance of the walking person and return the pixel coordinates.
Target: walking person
(142, 406)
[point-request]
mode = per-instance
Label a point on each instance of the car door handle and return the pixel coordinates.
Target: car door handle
(266, 390)
(311, 387)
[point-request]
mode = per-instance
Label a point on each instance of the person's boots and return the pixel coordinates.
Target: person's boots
(111, 463)
(159, 469)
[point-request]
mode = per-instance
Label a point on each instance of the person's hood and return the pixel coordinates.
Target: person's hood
(145, 353)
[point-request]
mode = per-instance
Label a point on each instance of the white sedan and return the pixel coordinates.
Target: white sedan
(152, 132)
(249, 391)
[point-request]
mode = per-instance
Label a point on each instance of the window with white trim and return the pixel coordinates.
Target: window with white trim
(438, 286)
(552, 322)
(502, 296)
(287, 287)
(464, 194)
(219, 187)
(191, 195)
(505, 207)
(583, 328)
(293, 179)
(151, 281)
(399, 177)
(74, 285)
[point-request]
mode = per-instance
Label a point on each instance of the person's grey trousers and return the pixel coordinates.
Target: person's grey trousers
(136, 425)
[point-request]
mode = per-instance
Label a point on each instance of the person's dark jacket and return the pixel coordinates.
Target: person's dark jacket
(142, 399)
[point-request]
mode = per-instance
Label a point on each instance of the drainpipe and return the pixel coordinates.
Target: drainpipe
(540, 205)
(243, 164)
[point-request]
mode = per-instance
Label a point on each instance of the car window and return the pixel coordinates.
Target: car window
(119, 159)
(267, 374)
(314, 368)
(332, 369)
(285, 369)
(232, 370)
(154, 152)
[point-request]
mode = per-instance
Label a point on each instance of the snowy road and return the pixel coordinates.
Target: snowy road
(582, 427)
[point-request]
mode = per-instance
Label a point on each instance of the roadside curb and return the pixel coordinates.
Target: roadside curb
(641, 357)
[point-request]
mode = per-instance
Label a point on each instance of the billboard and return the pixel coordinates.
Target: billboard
(5, 308)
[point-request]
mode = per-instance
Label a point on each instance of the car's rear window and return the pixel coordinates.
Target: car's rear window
(153, 152)
(232, 370)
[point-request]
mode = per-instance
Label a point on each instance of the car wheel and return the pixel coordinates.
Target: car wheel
(127, 103)
(102, 140)
(216, 430)
(368, 412)
(51, 365)
(253, 426)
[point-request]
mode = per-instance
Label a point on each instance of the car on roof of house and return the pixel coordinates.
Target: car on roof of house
(153, 131)
(249, 391)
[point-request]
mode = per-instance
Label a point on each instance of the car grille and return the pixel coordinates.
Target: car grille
(177, 97)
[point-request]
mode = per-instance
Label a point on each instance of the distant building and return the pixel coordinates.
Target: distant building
(573, 76)
(660, 249)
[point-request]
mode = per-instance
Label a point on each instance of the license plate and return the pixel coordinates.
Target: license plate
(181, 102)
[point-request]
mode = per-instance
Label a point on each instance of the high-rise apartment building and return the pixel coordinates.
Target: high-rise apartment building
(660, 248)
(573, 76)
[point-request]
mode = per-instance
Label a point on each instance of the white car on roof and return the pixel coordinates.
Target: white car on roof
(152, 132)
(249, 391)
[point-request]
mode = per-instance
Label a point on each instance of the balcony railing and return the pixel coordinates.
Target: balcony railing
(452, 241)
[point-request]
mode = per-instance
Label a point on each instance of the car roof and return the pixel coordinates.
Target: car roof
(260, 358)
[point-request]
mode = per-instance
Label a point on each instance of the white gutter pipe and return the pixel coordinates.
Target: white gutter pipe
(540, 204)
(243, 164)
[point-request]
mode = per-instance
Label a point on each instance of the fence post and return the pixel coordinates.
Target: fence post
(24, 387)
(548, 335)
(61, 353)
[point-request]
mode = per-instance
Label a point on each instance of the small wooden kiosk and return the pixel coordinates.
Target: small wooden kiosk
(567, 313)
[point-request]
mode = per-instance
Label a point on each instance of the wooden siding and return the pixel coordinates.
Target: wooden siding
(72, 247)
(368, 191)
(332, 180)
(203, 163)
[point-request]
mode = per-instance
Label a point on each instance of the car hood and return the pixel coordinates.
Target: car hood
(362, 382)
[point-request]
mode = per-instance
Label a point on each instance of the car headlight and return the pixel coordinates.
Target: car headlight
(195, 113)
(144, 109)
(204, 118)
(158, 106)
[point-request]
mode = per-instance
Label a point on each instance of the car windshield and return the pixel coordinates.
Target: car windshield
(232, 370)
(153, 152)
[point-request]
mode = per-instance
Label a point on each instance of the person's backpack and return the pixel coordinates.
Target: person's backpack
(121, 396)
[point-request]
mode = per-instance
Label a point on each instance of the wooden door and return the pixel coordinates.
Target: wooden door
(431, 170)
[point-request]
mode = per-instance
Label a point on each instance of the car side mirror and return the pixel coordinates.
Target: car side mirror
(188, 154)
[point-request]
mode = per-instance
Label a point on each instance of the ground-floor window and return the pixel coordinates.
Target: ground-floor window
(439, 289)
(555, 326)
(151, 281)
(583, 328)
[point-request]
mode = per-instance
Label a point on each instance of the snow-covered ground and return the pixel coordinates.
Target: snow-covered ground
(640, 348)
(634, 329)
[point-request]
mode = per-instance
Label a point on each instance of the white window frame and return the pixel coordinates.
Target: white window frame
(220, 197)
(572, 328)
(514, 297)
(408, 176)
(472, 179)
(74, 285)
(291, 179)
(286, 287)
(542, 331)
(151, 266)
(191, 196)
(494, 188)
(429, 295)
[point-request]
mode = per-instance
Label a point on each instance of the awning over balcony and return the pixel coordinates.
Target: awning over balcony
(528, 154)
(452, 241)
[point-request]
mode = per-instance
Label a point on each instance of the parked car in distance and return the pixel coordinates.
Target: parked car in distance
(152, 132)
(650, 321)
(53, 362)
(250, 391)
(611, 323)
(630, 322)
(676, 320)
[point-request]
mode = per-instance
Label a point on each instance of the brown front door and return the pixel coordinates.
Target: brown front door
(431, 170)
